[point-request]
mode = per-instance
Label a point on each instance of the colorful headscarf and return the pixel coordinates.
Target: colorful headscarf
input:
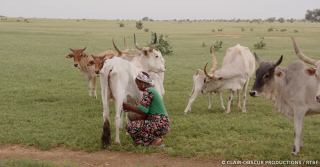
(145, 78)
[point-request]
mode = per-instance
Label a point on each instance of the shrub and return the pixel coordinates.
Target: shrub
(220, 29)
(139, 25)
(243, 29)
(218, 45)
(251, 29)
(270, 29)
(295, 31)
(260, 44)
(283, 30)
(163, 44)
(213, 30)
(146, 29)
(204, 44)
(121, 24)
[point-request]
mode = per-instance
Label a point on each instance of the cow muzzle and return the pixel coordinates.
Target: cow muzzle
(97, 71)
(75, 65)
(318, 98)
(254, 93)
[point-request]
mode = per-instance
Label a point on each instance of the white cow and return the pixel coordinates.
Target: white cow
(198, 83)
(118, 82)
(237, 67)
(137, 60)
(291, 91)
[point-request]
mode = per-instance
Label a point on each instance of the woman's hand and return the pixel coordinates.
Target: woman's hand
(126, 106)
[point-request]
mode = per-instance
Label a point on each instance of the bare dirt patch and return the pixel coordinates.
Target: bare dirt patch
(224, 35)
(102, 158)
(274, 37)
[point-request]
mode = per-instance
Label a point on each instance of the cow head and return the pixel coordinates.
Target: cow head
(151, 59)
(77, 55)
(211, 80)
(98, 60)
(308, 70)
(265, 76)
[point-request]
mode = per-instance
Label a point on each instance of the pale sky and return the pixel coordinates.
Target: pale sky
(158, 10)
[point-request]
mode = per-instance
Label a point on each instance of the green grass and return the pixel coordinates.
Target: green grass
(32, 163)
(44, 100)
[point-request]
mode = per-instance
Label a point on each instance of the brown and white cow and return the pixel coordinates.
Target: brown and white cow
(308, 70)
(117, 79)
(291, 91)
(237, 67)
(81, 61)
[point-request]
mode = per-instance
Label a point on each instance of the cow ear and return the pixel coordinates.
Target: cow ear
(279, 73)
(90, 63)
(145, 53)
(309, 71)
(70, 55)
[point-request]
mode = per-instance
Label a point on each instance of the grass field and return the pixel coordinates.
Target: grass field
(44, 99)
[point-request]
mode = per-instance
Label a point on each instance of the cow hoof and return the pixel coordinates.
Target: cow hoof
(127, 134)
(294, 153)
(227, 113)
(117, 143)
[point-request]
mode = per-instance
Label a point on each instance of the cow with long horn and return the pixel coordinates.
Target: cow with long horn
(308, 70)
(234, 75)
(291, 91)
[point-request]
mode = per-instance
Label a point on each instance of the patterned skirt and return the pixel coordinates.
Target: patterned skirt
(143, 132)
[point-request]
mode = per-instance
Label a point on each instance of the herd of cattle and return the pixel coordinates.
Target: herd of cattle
(293, 89)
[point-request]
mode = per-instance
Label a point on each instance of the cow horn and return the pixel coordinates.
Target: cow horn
(126, 46)
(154, 43)
(278, 62)
(118, 50)
(136, 44)
(214, 60)
(259, 60)
(84, 48)
(92, 55)
(205, 72)
(301, 55)
(71, 49)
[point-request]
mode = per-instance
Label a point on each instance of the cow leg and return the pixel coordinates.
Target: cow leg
(210, 100)
(192, 97)
(298, 126)
(229, 101)
(238, 102)
(95, 86)
(221, 100)
(244, 95)
(89, 87)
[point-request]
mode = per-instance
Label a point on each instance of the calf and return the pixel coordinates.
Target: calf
(81, 61)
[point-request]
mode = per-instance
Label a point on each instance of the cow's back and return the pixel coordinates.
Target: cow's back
(239, 59)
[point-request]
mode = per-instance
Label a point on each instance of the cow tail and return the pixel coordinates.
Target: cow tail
(106, 134)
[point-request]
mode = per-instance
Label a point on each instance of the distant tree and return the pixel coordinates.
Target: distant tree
(145, 19)
(281, 20)
(271, 19)
(313, 15)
